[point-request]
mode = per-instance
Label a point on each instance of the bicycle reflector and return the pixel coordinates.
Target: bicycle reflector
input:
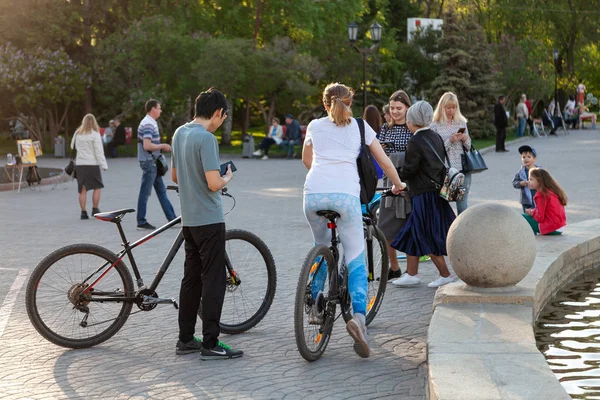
(331, 225)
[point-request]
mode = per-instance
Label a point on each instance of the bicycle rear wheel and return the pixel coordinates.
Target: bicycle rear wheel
(314, 311)
(56, 307)
(251, 282)
(377, 281)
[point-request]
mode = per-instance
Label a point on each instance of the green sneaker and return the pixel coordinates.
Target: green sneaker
(193, 346)
(424, 258)
(220, 352)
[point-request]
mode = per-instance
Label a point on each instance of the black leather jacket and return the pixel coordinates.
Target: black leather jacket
(422, 167)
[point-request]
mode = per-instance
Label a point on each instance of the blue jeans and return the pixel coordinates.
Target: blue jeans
(462, 205)
(289, 144)
(521, 126)
(151, 178)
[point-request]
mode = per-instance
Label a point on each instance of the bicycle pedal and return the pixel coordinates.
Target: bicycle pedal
(159, 300)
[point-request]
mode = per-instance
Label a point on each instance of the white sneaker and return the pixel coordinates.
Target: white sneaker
(265, 157)
(441, 281)
(407, 280)
(257, 153)
(357, 328)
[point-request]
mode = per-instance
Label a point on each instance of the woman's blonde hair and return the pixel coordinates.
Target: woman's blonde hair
(448, 98)
(547, 183)
(338, 99)
(88, 125)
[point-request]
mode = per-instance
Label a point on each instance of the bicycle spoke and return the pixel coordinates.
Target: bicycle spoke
(57, 307)
(246, 303)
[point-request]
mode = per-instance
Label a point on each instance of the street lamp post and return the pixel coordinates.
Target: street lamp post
(375, 30)
(555, 58)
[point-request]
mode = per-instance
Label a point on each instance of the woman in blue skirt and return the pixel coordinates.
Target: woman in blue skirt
(427, 226)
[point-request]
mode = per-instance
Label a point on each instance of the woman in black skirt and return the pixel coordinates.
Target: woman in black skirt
(90, 157)
(428, 223)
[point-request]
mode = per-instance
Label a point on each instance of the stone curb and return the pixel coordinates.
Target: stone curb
(486, 337)
(24, 185)
(491, 148)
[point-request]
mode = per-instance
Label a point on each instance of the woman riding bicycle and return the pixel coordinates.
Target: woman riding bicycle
(330, 150)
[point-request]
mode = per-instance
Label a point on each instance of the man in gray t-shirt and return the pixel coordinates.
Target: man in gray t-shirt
(196, 169)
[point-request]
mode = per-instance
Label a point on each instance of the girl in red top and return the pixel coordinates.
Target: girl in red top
(548, 217)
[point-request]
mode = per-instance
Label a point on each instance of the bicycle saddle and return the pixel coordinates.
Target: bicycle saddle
(113, 216)
(329, 214)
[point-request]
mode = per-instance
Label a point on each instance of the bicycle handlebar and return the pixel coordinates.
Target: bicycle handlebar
(387, 192)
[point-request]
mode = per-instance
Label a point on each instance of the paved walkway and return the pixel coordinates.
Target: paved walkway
(139, 362)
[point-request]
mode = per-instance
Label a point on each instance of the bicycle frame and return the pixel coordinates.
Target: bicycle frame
(127, 250)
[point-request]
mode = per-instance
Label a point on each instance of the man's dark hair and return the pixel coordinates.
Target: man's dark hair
(501, 97)
(208, 102)
(150, 104)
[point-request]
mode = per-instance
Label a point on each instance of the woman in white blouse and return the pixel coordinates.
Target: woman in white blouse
(90, 157)
(451, 125)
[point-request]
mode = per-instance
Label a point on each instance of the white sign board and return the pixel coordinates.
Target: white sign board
(415, 24)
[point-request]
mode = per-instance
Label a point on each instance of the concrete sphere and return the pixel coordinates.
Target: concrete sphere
(490, 245)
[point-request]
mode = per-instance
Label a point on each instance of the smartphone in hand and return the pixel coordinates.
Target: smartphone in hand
(387, 144)
(462, 130)
(223, 169)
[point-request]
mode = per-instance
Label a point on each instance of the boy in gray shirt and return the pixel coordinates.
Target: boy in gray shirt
(196, 169)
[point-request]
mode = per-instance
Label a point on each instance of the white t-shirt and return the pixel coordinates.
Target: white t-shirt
(335, 150)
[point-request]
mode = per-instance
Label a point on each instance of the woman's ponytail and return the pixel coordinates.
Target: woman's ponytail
(338, 99)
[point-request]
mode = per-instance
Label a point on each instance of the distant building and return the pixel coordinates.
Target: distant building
(416, 24)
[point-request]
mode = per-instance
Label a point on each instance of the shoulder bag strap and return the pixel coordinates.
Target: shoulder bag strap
(361, 127)
(435, 152)
(438, 185)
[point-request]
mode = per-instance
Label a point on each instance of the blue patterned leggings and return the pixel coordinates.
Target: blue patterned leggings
(350, 229)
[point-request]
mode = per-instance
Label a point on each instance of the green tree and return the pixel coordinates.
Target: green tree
(466, 69)
(43, 85)
(524, 67)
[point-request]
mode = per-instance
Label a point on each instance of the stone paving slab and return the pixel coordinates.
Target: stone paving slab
(139, 362)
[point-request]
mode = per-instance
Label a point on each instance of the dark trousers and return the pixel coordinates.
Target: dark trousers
(266, 144)
(203, 280)
(500, 138)
(530, 124)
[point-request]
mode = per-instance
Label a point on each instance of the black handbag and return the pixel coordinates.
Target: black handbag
(367, 172)
(70, 168)
(161, 165)
(472, 161)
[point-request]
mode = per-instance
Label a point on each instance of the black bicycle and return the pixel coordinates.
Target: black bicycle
(81, 295)
(323, 284)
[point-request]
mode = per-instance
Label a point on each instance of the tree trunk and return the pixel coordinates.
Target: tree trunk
(86, 48)
(227, 125)
(246, 119)
(257, 21)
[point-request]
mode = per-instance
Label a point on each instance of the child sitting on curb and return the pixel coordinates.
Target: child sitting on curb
(521, 179)
(548, 217)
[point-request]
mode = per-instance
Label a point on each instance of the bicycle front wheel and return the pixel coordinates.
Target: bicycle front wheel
(377, 281)
(377, 270)
(314, 311)
(59, 310)
(251, 282)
